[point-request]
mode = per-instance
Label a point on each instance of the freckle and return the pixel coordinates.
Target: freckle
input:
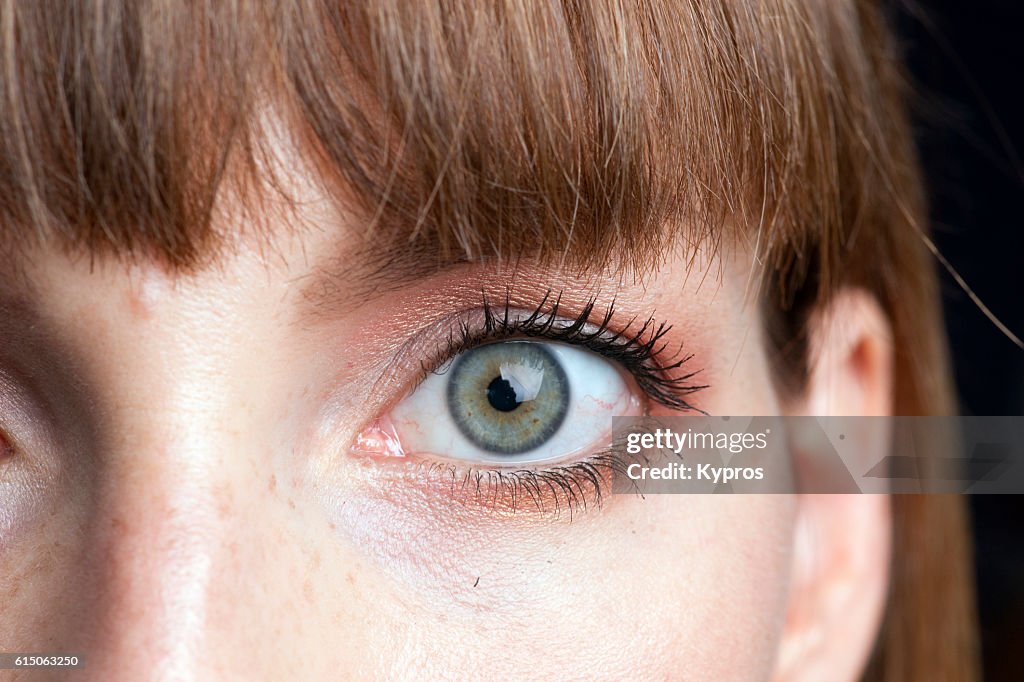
(307, 591)
(333, 527)
(272, 484)
(291, 503)
(225, 500)
(351, 578)
(137, 306)
(316, 559)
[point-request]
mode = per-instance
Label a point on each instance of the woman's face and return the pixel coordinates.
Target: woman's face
(203, 479)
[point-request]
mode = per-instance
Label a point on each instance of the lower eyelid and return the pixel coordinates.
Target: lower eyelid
(561, 492)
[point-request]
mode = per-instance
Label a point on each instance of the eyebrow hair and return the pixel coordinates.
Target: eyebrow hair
(360, 274)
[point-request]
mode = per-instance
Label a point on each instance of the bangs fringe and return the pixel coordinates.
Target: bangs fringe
(596, 133)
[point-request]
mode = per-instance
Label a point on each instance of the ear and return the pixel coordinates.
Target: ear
(841, 550)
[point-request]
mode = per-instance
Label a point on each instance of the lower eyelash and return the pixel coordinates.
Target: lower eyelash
(640, 350)
(572, 488)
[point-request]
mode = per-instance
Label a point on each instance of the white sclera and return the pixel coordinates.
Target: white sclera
(598, 391)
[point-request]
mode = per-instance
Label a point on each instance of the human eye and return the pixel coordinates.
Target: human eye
(515, 397)
(515, 402)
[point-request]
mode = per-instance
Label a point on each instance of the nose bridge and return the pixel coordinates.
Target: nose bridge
(180, 459)
(163, 511)
(166, 506)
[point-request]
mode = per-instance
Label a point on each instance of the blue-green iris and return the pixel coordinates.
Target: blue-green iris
(486, 390)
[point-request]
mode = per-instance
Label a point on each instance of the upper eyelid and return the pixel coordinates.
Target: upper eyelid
(510, 335)
(638, 348)
(469, 337)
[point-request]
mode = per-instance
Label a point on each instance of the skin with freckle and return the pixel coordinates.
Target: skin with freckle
(192, 500)
(192, 488)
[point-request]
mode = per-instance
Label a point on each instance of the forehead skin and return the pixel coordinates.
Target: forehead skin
(184, 500)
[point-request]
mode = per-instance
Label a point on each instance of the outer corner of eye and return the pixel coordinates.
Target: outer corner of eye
(511, 402)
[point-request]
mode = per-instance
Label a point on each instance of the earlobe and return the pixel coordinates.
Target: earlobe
(838, 589)
(841, 552)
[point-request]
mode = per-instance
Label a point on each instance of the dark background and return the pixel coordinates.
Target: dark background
(967, 57)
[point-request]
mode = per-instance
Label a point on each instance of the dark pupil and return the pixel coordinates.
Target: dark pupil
(501, 395)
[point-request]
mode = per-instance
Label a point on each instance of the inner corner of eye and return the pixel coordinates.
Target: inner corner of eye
(378, 439)
(7, 450)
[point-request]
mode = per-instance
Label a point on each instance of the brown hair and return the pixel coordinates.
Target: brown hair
(588, 130)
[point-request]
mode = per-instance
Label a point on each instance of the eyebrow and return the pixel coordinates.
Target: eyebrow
(371, 262)
(357, 276)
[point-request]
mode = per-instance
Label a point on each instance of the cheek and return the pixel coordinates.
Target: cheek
(670, 586)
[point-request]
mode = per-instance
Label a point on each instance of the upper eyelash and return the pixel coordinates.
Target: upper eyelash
(639, 351)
